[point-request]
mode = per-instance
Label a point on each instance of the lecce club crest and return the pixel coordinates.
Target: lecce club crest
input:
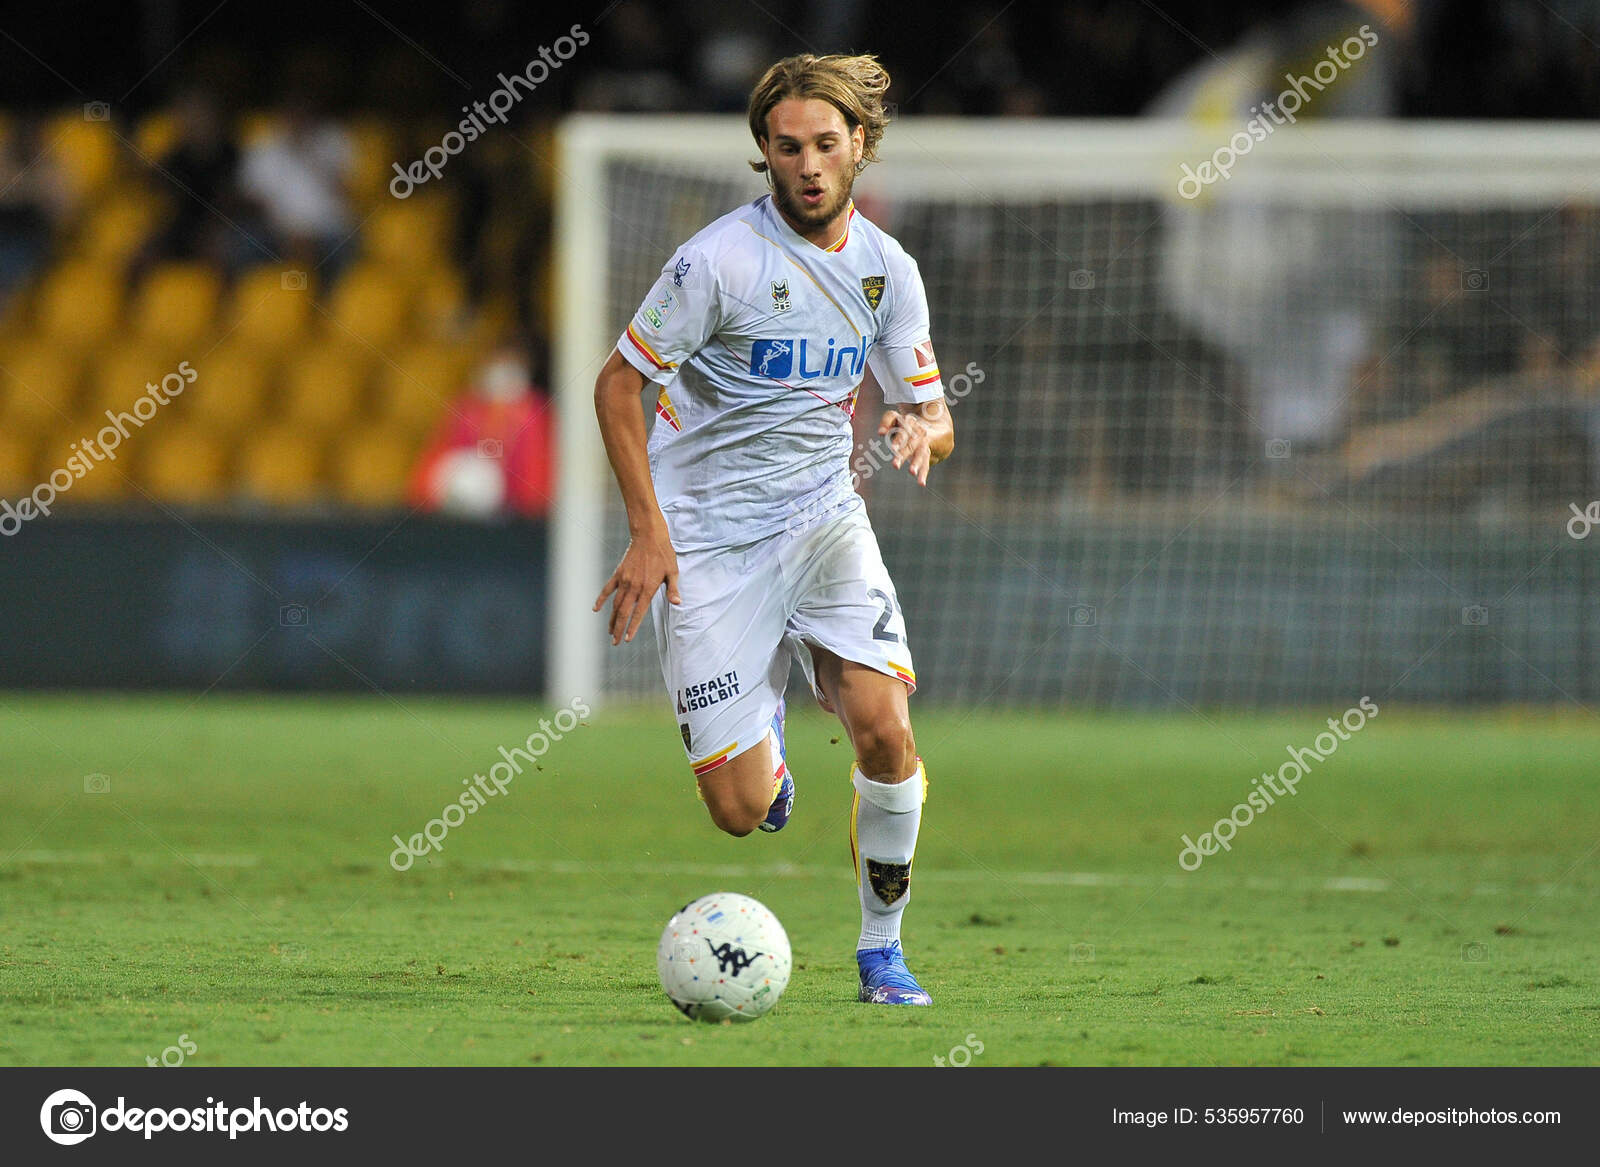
(873, 287)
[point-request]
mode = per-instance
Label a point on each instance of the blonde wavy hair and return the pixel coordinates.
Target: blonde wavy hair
(852, 85)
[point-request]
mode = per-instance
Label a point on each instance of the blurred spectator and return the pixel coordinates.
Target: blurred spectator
(988, 67)
(728, 63)
(1505, 58)
(493, 452)
(638, 67)
(35, 200)
(1234, 264)
(1460, 327)
(298, 176)
(196, 178)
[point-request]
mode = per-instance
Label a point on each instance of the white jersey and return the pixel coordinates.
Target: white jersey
(758, 341)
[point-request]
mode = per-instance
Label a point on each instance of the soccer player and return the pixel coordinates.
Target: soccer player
(748, 541)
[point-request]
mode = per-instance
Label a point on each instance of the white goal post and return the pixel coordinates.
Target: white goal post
(1007, 214)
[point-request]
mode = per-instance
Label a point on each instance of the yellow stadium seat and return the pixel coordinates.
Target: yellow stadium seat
(441, 301)
(407, 235)
(116, 229)
(271, 307)
(420, 385)
(85, 149)
(322, 387)
(255, 126)
(124, 373)
(370, 305)
(156, 133)
(79, 303)
(17, 475)
(375, 153)
(371, 466)
(281, 465)
(176, 304)
(182, 464)
(107, 478)
(14, 324)
(38, 386)
(229, 390)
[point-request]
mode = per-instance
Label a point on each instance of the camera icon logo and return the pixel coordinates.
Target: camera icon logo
(68, 1117)
(1277, 448)
(96, 111)
(1474, 280)
(1082, 616)
(1081, 953)
(491, 448)
(293, 281)
(1474, 953)
(294, 616)
(1081, 280)
(96, 784)
(1475, 615)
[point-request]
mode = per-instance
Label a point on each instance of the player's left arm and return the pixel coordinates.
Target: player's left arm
(921, 435)
(917, 420)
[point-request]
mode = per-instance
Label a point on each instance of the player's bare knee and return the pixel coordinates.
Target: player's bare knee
(734, 819)
(884, 747)
(732, 809)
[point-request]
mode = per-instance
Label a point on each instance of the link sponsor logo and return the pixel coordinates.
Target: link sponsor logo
(788, 357)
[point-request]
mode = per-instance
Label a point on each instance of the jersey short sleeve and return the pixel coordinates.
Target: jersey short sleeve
(902, 360)
(676, 319)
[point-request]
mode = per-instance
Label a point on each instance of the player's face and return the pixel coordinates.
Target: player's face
(812, 156)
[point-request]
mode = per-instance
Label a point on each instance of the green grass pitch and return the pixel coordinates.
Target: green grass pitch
(1428, 897)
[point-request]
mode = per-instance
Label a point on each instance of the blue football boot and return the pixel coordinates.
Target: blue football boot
(885, 979)
(783, 798)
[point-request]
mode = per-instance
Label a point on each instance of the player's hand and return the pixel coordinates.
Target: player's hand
(910, 438)
(648, 562)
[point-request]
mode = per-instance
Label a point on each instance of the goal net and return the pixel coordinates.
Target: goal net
(1329, 428)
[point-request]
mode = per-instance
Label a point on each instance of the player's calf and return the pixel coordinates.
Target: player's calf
(738, 793)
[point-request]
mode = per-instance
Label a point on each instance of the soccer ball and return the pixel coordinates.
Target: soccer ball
(723, 957)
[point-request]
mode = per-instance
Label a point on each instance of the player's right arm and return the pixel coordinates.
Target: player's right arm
(649, 560)
(678, 316)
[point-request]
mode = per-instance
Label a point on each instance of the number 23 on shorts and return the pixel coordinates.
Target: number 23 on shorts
(880, 630)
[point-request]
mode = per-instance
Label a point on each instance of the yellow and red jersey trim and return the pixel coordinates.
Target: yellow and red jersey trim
(706, 765)
(903, 673)
(650, 353)
(666, 412)
(925, 377)
(845, 238)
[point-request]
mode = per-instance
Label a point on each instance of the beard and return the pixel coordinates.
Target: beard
(787, 196)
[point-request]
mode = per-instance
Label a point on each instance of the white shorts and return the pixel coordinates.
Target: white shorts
(746, 610)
